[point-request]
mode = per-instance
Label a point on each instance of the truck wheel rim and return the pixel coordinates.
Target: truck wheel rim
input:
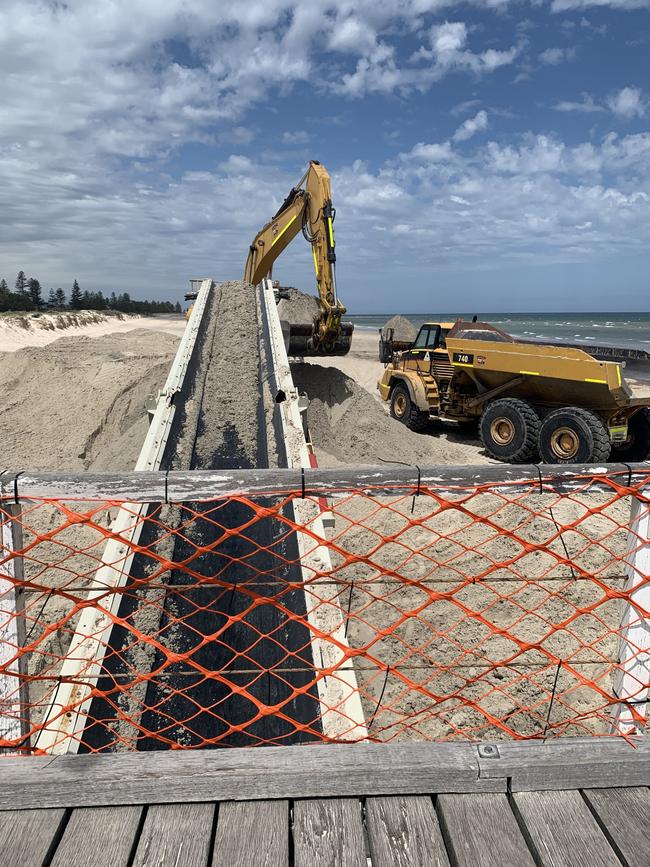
(565, 443)
(400, 405)
(502, 431)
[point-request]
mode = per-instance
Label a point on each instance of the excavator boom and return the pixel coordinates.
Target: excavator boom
(307, 208)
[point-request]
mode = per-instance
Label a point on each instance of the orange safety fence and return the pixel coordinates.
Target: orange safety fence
(469, 611)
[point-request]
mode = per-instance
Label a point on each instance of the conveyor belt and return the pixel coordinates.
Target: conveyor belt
(223, 420)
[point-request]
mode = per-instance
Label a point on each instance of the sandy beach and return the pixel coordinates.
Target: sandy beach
(74, 398)
(77, 403)
(19, 331)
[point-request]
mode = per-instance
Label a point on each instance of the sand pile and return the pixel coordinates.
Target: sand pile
(298, 308)
(348, 426)
(403, 329)
(78, 403)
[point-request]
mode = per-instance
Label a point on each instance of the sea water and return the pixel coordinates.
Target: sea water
(601, 329)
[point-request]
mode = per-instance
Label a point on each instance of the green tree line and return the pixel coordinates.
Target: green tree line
(27, 295)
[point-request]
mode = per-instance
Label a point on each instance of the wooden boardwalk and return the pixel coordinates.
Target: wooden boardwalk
(582, 802)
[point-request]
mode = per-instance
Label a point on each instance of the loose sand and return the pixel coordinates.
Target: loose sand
(18, 331)
(403, 328)
(298, 308)
(348, 425)
(77, 404)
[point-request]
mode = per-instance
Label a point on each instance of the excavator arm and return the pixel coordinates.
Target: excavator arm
(307, 208)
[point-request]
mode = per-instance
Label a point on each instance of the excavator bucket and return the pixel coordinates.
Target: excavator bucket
(299, 340)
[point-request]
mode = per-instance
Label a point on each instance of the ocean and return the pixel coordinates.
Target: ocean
(600, 329)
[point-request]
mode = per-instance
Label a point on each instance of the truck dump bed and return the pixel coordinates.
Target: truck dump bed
(547, 375)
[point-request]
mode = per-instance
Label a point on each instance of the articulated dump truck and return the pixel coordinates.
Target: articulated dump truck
(529, 401)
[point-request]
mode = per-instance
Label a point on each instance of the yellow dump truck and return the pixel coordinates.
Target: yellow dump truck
(529, 401)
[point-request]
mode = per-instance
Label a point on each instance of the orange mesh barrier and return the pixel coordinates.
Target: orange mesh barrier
(480, 613)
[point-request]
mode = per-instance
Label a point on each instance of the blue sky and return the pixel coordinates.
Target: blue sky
(488, 155)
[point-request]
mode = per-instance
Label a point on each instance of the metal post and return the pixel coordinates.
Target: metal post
(632, 677)
(14, 694)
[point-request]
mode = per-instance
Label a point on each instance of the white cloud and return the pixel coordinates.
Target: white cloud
(555, 56)
(471, 126)
(565, 5)
(447, 40)
(296, 137)
(628, 103)
(434, 153)
(587, 105)
(464, 107)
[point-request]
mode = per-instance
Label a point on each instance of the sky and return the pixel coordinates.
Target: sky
(490, 155)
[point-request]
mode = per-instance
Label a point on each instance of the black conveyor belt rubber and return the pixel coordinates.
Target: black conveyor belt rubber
(207, 625)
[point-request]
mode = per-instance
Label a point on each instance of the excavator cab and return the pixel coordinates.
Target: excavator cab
(307, 208)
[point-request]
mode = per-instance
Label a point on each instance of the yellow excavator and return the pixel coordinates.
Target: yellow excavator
(307, 208)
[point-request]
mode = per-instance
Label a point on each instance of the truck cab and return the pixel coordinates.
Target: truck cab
(416, 376)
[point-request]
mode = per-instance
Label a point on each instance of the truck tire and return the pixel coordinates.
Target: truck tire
(573, 435)
(637, 448)
(403, 409)
(509, 429)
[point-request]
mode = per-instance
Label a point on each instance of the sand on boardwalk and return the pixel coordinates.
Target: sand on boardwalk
(77, 404)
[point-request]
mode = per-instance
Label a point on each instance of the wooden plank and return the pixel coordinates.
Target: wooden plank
(482, 830)
(624, 815)
(176, 835)
(570, 763)
(98, 837)
(562, 832)
(328, 832)
(404, 832)
(29, 836)
(253, 832)
(196, 485)
(248, 773)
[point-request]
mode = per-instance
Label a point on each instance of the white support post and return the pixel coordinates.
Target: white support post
(66, 715)
(14, 710)
(342, 714)
(632, 677)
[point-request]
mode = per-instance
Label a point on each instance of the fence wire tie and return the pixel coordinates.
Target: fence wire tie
(381, 695)
(404, 464)
(550, 706)
(629, 474)
(417, 492)
(557, 526)
(16, 477)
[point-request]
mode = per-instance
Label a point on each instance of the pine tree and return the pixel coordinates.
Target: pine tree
(51, 300)
(60, 298)
(34, 290)
(21, 283)
(5, 296)
(75, 297)
(178, 308)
